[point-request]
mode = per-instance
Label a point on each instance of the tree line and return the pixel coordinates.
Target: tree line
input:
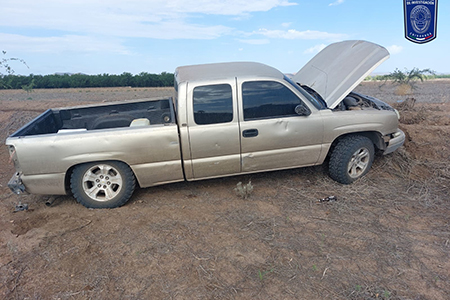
(143, 79)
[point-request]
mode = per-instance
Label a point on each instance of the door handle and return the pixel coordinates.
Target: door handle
(250, 133)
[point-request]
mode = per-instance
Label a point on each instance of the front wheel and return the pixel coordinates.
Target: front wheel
(351, 159)
(102, 184)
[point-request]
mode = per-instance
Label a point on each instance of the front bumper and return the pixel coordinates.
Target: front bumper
(16, 185)
(395, 142)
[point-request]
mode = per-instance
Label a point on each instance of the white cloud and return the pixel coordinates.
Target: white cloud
(293, 34)
(225, 7)
(394, 49)
(162, 19)
(67, 43)
(337, 2)
(104, 26)
(315, 49)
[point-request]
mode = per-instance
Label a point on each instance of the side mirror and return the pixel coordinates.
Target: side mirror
(302, 110)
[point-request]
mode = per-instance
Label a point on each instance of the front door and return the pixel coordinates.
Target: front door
(273, 135)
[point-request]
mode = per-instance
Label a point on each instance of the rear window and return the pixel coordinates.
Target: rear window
(213, 104)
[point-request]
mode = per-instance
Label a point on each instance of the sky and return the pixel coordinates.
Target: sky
(154, 36)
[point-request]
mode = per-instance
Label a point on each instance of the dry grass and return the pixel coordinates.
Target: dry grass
(387, 236)
(403, 90)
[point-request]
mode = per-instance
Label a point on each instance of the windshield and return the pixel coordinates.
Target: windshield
(317, 103)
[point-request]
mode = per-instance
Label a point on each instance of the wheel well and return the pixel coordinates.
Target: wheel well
(70, 171)
(374, 136)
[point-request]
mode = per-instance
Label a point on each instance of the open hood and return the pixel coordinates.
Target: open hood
(339, 68)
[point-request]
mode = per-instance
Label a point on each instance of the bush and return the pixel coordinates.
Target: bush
(408, 77)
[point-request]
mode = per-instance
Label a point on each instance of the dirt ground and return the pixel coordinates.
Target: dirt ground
(387, 236)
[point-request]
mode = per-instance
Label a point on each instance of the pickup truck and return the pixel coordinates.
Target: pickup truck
(224, 119)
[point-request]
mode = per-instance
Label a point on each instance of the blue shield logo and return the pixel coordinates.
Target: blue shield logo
(420, 20)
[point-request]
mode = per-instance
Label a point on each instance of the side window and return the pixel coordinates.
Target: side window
(213, 104)
(268, 99)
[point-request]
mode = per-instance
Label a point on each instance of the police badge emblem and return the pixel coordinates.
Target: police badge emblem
(420, 20)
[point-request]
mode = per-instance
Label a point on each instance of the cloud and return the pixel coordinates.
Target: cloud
(105, 26)
(337, 2)
(225, 7)
(160, 19)
(394, 49)
(315, 49)
(293, 34)
(67, 43)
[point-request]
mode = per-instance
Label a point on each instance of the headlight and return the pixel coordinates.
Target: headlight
(396, 134)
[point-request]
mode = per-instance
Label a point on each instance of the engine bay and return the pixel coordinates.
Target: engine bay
(353, 101)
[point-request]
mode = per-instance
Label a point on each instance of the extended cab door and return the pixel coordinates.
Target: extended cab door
(213, 129)
(273, 135)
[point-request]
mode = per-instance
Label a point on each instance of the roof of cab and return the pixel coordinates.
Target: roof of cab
(225, 71)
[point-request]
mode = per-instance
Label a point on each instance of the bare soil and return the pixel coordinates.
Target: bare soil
(387, 236)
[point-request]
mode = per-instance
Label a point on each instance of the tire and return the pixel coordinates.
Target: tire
(351, 159)
(106, 184)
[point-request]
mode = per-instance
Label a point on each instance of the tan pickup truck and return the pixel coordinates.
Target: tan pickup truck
(224, 119)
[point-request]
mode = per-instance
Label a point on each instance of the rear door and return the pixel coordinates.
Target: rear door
(213, 129)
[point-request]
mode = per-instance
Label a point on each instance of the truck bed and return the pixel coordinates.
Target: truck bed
(98, 117)
(142, 134)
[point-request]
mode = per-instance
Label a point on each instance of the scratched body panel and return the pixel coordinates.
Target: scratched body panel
(214, 148)
(282, 143)
(44, 159)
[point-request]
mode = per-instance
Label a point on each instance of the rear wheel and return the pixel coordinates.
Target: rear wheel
(102, 184)
(351, 159)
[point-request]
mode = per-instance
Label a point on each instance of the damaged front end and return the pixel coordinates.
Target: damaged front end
(356, 101)
(395, 141)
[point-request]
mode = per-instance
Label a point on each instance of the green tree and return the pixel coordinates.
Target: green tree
(29, 87)
(28, 83)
